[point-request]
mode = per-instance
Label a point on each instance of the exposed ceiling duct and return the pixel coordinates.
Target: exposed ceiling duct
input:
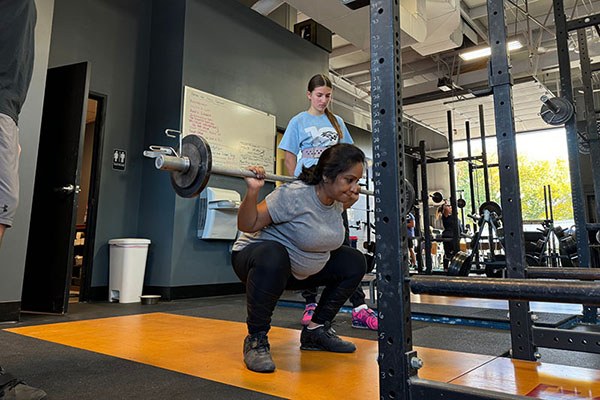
(433, 32)
(444, 27)
(429, 26)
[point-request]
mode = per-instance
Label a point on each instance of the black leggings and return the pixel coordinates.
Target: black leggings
(358, 297)
(266, 271)
(448, 248)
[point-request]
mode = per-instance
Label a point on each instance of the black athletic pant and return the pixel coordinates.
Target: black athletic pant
(358, 297)
(448, 248)
(265, 270)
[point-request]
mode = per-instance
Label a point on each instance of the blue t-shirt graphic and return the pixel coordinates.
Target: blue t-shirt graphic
(310, 135)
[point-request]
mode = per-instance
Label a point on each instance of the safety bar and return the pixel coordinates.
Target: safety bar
(508, 289)
(586, 274)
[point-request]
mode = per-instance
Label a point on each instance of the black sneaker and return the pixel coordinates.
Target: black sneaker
(257, 353)
(12, 388)
(324, 338)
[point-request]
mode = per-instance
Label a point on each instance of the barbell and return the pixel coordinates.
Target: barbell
(438, 198)
(492, 207)
(556, 110)
(192, 167)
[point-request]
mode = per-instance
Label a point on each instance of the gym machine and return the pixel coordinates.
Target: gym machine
(398, 361)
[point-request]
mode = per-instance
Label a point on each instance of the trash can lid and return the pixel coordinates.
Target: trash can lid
(128, 241)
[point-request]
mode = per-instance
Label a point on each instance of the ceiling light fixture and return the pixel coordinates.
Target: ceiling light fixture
(486, 51)
(445, 84)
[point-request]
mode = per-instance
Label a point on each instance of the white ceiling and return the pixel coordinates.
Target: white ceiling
(526, 95)
(349, 61)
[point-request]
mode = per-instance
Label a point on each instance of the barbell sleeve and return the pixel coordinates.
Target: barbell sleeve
(182, 164)
(550, 104)
(171, 163)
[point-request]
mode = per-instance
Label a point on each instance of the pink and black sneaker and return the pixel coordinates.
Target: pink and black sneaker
(309, 310)
(365, 319)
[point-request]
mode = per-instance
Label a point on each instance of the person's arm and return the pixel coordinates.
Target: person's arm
(252, 217)
(290, 161)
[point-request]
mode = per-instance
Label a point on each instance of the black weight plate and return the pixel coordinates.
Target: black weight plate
(559, 232)
(539, 245)
(568, 245)
(410, 196)
(564, 113)
(460, 265)
(532, 261)
(437, 197)
(598, 237)
(193, 181)
(492, 207)
(461, 203)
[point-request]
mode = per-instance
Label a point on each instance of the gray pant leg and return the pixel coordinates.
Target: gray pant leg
(9, 169)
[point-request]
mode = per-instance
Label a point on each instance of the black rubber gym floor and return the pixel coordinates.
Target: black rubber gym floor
(70, 373)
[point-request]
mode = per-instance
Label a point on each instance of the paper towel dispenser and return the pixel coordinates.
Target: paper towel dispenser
(217, 214)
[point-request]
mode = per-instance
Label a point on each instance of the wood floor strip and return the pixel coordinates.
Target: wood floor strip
(534, 379)
(212, 349)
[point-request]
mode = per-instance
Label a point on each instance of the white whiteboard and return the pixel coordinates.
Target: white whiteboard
(238, 135)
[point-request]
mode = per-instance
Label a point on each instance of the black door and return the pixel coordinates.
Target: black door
(49, 262)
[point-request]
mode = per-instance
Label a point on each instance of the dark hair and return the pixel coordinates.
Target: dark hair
(332, 162)
(320, 80)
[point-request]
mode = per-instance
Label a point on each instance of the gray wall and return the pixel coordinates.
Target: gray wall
(233, 52)
(113, 35)
(141, 60)
(14, 248)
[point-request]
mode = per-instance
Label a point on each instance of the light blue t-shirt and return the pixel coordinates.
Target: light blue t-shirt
(411, 231)
(311, 135)
(307, 228)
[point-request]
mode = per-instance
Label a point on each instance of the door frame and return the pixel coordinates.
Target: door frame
(85, 292)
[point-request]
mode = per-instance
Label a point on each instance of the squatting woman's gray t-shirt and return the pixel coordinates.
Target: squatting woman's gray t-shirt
(305, 226)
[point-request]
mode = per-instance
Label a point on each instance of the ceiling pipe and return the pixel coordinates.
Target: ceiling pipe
(465, 16)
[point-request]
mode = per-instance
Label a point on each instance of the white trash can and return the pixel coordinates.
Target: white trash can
(127, 268)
